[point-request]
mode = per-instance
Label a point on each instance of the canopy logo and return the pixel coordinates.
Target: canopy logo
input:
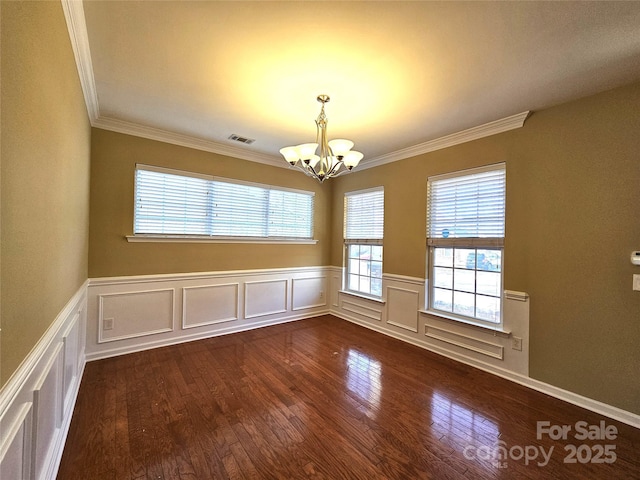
(500, 453)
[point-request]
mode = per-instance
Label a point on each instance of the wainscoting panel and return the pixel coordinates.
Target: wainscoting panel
(210, 304)
(362, 307)
(335, 285)
(36, 403)
(15, 453)
(47, 403)
(308, 293)
(207, 304)
(135, 314)
(266, 297)
(465, 341)
(72, 344)
(402, 308)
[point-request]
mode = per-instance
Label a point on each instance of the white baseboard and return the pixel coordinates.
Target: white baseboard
(588, 403)
(37, 402)
(142, 346)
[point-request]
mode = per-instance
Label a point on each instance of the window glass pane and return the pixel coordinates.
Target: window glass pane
(376, 286)
(376, 252)
(354, 266)
(376, 269)
(353, 283)
(464, 280)
(364, 268)
(463, 303)
(354, 251)
(443, 277)
(490, 260)
(365, 284)
(365, 252)
(488, 308)
(443, 257)
(488, 283)
(442, 299)
(465, 258)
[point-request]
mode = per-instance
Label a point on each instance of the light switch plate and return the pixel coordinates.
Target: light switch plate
(636, 282)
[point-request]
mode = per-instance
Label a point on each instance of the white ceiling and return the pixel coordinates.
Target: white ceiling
(399, 73)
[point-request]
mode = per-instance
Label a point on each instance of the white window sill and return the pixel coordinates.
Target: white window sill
(497, 329)
(197, 239)
(363, 295)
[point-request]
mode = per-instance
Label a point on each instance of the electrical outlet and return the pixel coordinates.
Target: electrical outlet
(516, 343)
(636, 282)
(321, 294)
(107, 324)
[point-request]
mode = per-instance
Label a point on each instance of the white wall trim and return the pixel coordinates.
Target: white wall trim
(168, 277)
(152, 133)
(403, 278)
(513, 295)
(77, 27)
(497, 126)
(23, 452)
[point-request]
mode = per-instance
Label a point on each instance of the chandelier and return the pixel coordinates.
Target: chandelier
(335, 156)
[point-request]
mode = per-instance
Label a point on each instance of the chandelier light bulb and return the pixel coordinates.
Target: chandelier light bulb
(352, 159)
(306, 151)
(340, 146)
(290, 154)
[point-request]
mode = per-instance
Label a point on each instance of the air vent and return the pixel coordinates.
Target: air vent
(240, 139)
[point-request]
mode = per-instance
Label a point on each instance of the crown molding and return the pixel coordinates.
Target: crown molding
(474, 133)
(77, 26)
(135, 129)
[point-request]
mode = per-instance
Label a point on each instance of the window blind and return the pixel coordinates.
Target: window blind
(171, 202)
(364, 215)
(469, 205)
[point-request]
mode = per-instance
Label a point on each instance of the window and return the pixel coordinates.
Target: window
(363, 233)
(465, 234)
(176, 203)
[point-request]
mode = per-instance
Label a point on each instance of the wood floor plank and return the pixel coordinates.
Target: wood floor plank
(320, 398)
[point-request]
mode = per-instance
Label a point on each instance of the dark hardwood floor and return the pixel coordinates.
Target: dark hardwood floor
(323, 398)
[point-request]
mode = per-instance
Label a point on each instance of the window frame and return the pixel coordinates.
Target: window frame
(489, 243)
(211, 236)
(369, 241)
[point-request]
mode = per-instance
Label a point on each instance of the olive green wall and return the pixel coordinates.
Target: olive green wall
(113, 160)
(573, 193)
(45, 147)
